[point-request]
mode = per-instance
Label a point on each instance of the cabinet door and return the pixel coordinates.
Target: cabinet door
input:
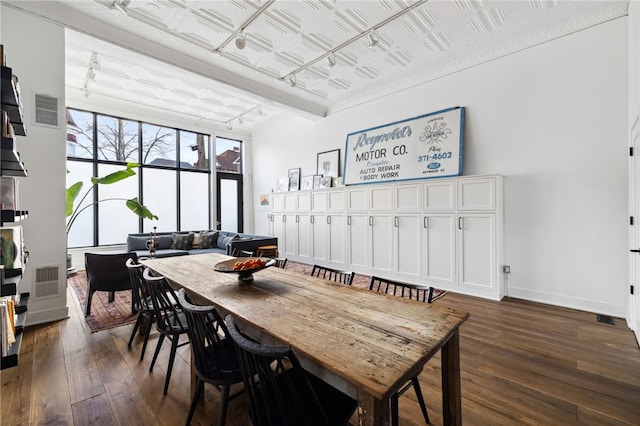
(336, 200)
(477, 251)
(357, 241)
(291, 202)
(477, 194)
(381, 198)
(439, 249)
(319, 201)
(407, 245)
(381, 245)
(290, 235)
(407, 197)
(440, 196)
(357, 199)
(303, 242)
(304, 201)
(337, 241)
(278, 202)
(279, 229)
(319, 236)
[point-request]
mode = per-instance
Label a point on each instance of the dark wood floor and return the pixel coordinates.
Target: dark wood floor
(522, 363)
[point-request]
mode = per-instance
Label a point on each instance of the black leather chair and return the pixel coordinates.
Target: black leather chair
(344, 277)
(281, 392)
(414, 292)
(107, 272)
(171, 322)
(214, 356)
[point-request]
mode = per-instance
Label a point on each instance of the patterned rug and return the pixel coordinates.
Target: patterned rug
(104, 315)
(359, 280)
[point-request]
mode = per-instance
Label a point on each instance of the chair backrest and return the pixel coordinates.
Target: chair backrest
(138, 289)
(281, 262)
(345, 277)
(241, 253)
(169, 315)
(108, 272)
(279, 390)
(213, 352)
(397, 288)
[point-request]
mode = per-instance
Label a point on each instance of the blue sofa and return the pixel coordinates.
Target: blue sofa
(224, 242)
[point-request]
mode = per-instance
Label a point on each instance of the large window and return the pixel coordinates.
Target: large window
(173, 179)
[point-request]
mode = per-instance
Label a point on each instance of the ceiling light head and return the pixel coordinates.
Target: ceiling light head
(331, 59)
(229, 126)
(373, 39)
(292, 80)
(241, 40)
(120, 6)
(240, 120)
(259, 109)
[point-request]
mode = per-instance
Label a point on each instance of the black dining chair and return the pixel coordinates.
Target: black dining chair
(414, 292)
(281, 262)
(141, 302)
(107, 272)
(241, 253)
(171, 322)
(344, 277)
(214, 355)
(281, 392)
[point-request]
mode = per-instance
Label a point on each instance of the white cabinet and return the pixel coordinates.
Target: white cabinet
(477, 251)
(407, 246)
(439, 249)
(357, 240)
(446, 233)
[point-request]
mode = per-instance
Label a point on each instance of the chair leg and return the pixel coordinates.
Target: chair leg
(89, 297)
(112, 296)
(155, 354)
(224, 401)
(135, 328)
(394, 409)
(172, 357)
(194, 401)
(146, 335)
(416, 388)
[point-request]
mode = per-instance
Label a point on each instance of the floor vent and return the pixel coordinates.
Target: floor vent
(605, 319)
(46, 281)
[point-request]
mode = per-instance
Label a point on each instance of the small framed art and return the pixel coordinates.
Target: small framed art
(306, 182)
(325, 181)
(294, 179)
(328, 163)
(283, 185)
(316, 181)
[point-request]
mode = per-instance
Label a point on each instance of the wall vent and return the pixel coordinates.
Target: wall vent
(46, 281)
(46, 113)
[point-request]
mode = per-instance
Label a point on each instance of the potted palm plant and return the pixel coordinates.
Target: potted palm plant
(73, 194)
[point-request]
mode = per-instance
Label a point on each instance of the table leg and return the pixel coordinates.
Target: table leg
(451, 393)
(372, 411)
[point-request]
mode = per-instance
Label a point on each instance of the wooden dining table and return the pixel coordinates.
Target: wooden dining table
(364, 343)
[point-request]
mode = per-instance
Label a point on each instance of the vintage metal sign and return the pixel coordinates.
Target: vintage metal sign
(427, 146)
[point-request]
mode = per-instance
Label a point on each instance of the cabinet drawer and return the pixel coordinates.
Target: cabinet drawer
(477, 194)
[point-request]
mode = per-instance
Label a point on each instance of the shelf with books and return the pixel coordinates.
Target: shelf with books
(11, 102)
(11, 216)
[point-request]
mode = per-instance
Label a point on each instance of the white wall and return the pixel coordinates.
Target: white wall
(35, 50)
(552, 119)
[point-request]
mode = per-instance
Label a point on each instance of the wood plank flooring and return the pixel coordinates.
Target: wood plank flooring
(522, 363)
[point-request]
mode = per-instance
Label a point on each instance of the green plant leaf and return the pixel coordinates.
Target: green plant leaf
(142, 211)
(72, 194)
(116, 176)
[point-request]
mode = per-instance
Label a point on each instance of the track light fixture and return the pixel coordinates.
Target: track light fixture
(241, 40)
(292, 80)
(120, 6)
(240, 117)
(373, 39)
(331, 58)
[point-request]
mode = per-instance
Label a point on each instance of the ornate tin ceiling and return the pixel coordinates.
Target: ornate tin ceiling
(284, 65)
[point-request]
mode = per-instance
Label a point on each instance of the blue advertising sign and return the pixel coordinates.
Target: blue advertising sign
(427, 146)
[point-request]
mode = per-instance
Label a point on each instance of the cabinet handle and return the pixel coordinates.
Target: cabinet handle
(459, 223)
(297, 219)
(395, 221)
(370, 220)
(349, 220)
(328, 220)
(425, 222)
(311, 219)
(284, 218)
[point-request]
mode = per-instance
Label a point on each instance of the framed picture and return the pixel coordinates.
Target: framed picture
(294, 179)
(283, 185)
(325, 181)
(264, 200)
(316, 181)
(306, 182)
(329, 163)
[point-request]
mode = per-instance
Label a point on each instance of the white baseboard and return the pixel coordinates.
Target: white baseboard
(49, 315)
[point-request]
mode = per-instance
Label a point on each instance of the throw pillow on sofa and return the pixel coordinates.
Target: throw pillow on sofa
(223, 242)
(182, 241)
(208, 239)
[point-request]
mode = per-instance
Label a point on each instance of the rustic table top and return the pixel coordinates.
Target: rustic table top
(371, 341)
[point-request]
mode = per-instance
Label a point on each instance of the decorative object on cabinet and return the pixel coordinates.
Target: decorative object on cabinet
(426, 146)
(306, 182)
(294, 179)
(316, 181)
(282, 185)
(325, 182)
(328, 163)
(11, 247)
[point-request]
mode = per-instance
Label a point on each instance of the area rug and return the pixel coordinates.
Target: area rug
(359, 280)
(104, 315)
